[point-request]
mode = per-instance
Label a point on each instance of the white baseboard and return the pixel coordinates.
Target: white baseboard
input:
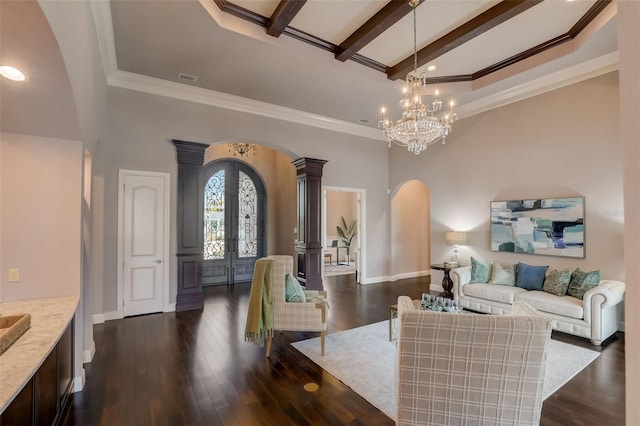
(171, 307)
(78, 382)
(112, 315)
(375, 280)
(98, 319)
(415, 274)
(87, 355)
(436, 287)
(396, 277)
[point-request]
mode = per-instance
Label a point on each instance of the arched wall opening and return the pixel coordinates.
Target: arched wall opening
(410, 253)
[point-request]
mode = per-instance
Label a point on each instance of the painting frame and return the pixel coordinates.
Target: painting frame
(539, 226)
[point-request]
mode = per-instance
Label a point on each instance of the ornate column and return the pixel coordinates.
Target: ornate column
(309, 225)
(190, 156)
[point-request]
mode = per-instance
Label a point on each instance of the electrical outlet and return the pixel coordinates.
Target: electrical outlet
(14, 275)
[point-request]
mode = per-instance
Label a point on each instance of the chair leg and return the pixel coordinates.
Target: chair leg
(322, 335)
(269, 338)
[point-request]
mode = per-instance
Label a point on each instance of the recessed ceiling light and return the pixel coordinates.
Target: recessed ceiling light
(431, 68)
(12, 73)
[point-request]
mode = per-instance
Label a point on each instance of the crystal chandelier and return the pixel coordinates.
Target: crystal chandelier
(242, 148)
(419, 127)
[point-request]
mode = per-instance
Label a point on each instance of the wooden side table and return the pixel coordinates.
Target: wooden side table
(447, 282)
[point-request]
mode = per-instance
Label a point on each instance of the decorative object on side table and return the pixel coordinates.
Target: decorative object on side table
(447, 283)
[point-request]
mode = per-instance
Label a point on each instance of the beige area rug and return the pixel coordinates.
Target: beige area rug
(330, 270)
(363, 358)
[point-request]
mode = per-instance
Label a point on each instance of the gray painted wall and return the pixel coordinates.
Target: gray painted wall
(141, 126)
(562, 143)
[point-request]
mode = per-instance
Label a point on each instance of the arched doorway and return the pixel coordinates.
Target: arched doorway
(234, 221)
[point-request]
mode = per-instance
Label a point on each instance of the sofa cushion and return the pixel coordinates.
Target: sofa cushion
(581, 282)
(480, 271)
(503, 276)
(566, 306)
(496, 293)
(557, 282)
(530, 277)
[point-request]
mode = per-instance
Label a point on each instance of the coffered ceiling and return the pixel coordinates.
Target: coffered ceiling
(344, 59)
(334, 63)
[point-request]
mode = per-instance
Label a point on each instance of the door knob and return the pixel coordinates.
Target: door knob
(158, 261)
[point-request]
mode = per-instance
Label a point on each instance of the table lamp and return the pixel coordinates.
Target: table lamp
(455, 238)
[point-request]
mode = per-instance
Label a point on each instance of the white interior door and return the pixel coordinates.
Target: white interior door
(144, 242)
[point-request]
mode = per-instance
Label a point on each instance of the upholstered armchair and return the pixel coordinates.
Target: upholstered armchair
(295, 316)
(463, 368)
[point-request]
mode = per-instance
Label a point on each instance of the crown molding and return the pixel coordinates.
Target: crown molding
(565, 77)
(141, 83)
(170, 89)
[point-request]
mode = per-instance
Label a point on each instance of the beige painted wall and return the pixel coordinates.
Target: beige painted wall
(629, 44)
(141, 127)
(562, 143)
(279, 177)
(410, 242)
(41, 196)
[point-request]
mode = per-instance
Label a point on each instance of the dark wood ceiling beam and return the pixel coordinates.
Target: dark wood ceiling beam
(582, 23)
(283, 15)
(391, 13)
(586, 19)
(487, 20)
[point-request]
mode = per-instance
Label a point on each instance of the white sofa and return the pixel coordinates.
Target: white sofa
(595, 317)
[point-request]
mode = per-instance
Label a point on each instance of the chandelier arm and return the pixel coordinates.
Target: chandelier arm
(419, 127)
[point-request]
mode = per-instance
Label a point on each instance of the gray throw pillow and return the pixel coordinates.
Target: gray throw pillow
(503, 276)
(581, 282)
(480, 271)
(557, 282)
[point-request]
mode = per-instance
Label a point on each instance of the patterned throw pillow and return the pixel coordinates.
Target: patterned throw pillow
(581, 282)
(293, 290)
(557, 282)
(530, 277)
(503, 276)
(480, 271)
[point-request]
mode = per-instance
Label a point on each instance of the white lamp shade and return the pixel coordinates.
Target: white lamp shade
(454, 237)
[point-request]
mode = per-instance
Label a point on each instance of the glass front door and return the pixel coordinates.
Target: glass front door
(234, 206)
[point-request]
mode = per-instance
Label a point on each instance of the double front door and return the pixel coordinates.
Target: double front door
(234, 225)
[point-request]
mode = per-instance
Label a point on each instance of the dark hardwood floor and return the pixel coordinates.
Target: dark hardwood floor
(194, 368)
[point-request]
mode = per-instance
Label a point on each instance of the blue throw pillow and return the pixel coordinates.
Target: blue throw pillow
(530, 277)
(293, 290)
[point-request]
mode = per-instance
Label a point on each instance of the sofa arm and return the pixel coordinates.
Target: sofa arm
(612, 293)
(460, 277)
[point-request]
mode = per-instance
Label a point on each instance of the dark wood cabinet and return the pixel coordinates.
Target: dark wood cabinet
(45, 398)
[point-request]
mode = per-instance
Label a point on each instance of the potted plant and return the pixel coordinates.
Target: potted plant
(346, 233)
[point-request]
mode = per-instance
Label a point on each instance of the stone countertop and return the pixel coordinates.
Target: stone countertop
(49, 319)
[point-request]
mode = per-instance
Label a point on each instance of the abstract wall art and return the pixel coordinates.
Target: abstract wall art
(550, 226)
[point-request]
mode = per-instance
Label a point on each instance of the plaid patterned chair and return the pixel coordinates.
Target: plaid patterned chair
(465, 369)
(294, 316)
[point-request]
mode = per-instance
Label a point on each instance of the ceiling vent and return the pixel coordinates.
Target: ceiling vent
(187, 77)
